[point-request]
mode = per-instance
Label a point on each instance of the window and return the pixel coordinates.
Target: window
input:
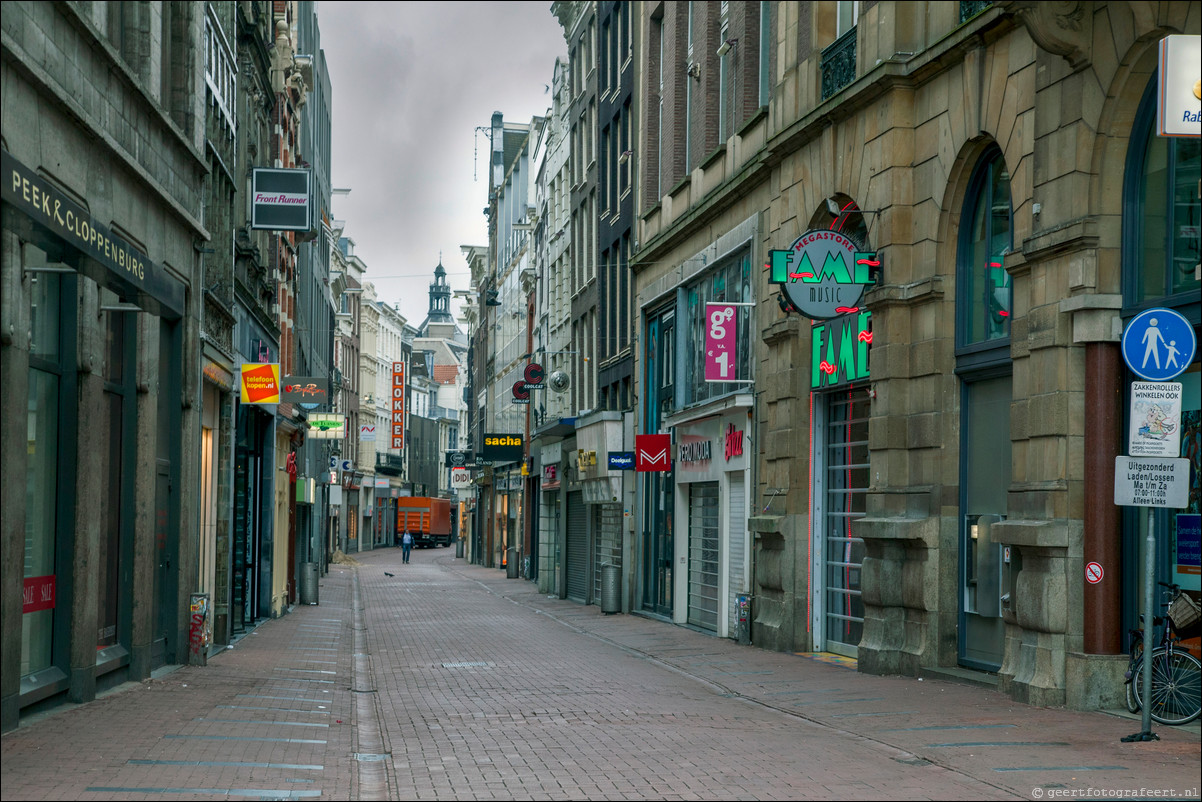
(1162, 214)
(731, 281)
(983, 294)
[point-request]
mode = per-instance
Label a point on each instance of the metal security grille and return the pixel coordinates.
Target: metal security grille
(703, 555)
(607, 540)
(577, 531)
(735, 549)
(846, 452)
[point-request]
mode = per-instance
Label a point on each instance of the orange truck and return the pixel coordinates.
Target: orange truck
(427, 519)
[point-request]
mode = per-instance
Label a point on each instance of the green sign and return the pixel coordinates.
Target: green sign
(840, 350)
(822, 274)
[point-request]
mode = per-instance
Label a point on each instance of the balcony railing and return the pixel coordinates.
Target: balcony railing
(389, 464)
(839, 64)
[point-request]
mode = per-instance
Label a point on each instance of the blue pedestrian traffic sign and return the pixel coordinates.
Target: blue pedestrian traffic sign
(1159, 344)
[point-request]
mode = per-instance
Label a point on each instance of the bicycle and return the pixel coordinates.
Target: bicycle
(1176, 674)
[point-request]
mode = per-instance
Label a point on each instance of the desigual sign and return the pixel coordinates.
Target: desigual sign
(822, 274)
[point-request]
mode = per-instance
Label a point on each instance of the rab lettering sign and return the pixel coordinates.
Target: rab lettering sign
(822, 274)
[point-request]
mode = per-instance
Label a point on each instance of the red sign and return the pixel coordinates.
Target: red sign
(397, 430)
(38, 594)
(734, 442)
(720, 350)
(651, 452)
(1094, 573)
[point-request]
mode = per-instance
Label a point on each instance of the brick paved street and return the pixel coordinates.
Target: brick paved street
(450, 681)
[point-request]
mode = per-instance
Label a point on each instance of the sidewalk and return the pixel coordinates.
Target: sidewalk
(353, 699)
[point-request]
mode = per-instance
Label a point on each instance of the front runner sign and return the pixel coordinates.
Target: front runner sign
(280, 199)
(1151, 482)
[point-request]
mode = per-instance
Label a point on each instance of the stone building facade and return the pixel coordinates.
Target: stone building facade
(104, 160)
(934, 463)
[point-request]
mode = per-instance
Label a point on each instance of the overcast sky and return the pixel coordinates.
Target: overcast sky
(411, 82)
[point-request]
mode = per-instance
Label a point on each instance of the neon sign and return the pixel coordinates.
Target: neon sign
(822, 274)
(840, 350)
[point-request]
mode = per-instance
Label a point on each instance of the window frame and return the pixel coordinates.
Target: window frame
(971, 355)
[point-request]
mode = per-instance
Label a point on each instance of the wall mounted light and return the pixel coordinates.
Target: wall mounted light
(694, 71)
(726, 46)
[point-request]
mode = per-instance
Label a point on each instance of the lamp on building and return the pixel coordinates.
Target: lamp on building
(726, 46)
(694, 71)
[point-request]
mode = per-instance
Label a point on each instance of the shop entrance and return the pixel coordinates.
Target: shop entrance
(840, 491)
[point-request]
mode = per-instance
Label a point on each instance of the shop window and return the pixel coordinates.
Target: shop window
(1162, 214)
(731, 281)
(983, 293)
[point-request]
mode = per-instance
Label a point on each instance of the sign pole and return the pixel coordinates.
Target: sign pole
(1149, 582)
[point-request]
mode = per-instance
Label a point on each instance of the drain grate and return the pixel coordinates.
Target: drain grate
(467, 665)
(368, 758)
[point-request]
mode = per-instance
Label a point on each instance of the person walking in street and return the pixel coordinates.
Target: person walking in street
(406, 546)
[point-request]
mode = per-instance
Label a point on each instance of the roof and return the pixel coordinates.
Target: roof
(446, 374)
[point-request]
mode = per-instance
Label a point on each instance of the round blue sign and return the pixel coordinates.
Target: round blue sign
(1159, 344)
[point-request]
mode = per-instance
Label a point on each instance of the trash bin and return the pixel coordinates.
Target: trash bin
(611, 589)
(511, 564)
(459, 548)
(308, 583)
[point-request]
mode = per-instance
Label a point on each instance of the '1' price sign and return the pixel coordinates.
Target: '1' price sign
(720, 352)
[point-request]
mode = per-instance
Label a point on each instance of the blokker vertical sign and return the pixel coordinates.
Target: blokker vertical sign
(396, 426)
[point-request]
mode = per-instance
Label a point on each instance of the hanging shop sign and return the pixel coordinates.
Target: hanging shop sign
(327, 426)
(396, 437)
(260, 383)
(308, 391)
(721, 344)
(280, 199)
(652, 452)
(367, 433)
(621, 460)
(1179, 101)
(550, 477)
(111, 261)
(534, 376)
(520, 394)
(840, 350)
(459, 459)
(460, 478)
(500, 447)
(822, 274)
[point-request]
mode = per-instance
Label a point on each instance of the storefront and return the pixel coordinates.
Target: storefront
(104, 320)
(712, 481)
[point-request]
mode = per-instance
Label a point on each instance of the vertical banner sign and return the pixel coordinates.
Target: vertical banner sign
(720, 351)
(397, 439)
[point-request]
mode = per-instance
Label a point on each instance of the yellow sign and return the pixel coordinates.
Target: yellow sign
(261, 383)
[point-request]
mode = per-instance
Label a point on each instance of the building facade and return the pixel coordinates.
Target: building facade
(931, 508)
(103, 228)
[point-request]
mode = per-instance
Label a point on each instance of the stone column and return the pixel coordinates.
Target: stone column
(91, 496)
(14, 402)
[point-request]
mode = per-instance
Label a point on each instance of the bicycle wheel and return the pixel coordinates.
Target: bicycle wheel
(1176, 687)
(1132, 701)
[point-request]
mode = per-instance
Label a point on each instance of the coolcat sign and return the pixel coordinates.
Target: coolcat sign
(822, 274)
(280, 200)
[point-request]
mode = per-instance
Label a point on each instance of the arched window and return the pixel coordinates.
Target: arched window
(983, 296)
(1162, 215)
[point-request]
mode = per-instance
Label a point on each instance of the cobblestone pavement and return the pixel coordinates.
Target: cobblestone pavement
(449, 681)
